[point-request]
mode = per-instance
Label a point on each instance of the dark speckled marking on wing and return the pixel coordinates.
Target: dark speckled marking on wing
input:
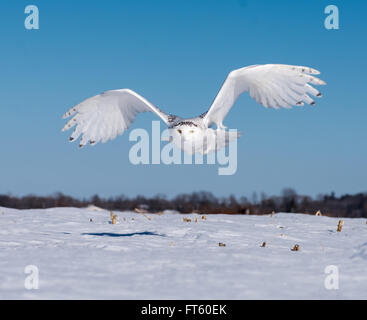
(186, 123)
(171, 118)
(202, 116)
(183, 123)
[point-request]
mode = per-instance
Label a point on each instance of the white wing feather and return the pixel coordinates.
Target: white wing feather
(107, 115)
(272, 85)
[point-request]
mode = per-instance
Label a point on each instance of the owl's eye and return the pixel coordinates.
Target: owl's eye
(192, 131)
(179, 131)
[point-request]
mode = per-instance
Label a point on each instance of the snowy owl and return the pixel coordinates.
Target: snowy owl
(103, 117)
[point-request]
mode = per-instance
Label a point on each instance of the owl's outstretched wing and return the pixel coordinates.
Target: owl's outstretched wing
(103, 117)
(272, 85)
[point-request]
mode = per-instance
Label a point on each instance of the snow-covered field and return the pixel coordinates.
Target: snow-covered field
(167, 258)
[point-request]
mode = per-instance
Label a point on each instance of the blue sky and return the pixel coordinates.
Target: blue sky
(177, 54)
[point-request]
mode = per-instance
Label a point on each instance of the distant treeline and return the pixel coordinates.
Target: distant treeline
(204, 202)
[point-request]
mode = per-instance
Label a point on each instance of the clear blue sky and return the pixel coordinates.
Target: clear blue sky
(177, 54)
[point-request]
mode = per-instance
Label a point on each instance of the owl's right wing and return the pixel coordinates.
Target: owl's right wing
(272, 85)
(103, 117)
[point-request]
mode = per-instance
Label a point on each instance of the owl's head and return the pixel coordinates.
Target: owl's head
(186, 131)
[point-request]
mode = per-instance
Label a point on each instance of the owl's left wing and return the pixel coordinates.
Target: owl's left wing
(272, 85)
(103, 117)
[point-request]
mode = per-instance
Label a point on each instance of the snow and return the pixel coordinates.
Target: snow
(167, 258)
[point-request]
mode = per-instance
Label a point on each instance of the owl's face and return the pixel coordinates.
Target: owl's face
(186, 133)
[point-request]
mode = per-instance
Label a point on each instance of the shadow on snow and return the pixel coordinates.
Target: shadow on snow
(107, 234)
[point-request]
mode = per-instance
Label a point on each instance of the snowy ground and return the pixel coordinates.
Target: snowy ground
(167, 258)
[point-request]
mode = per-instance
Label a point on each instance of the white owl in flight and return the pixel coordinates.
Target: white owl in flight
(107, 115)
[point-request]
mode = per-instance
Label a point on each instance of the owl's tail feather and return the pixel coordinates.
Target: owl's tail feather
(220, 139)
